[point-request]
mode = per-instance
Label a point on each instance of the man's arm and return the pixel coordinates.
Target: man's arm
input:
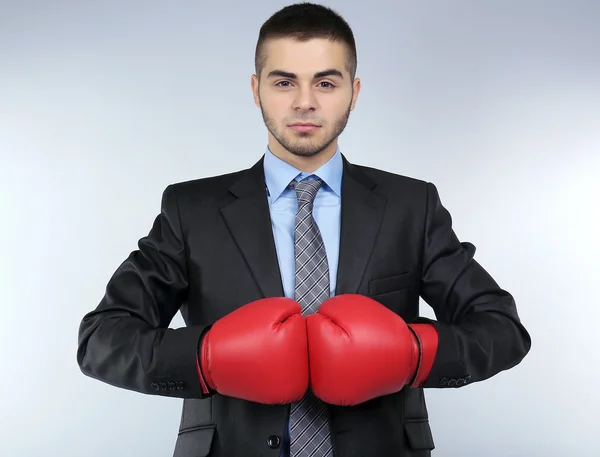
(479, 333)
(126, 341)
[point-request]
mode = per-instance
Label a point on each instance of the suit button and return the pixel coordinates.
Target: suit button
(154, 385)
(460, 381)
(468, 378)
(452, 382)
(273, 441)
(179, 385)
(163, 385)
(171, 385)
(444, 381)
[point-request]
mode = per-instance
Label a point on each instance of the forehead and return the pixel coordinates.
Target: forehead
(304, 57)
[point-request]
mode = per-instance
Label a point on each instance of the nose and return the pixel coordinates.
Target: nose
(305, 99)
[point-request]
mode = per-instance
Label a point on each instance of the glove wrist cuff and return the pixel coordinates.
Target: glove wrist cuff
(426, 338)
(203, 375)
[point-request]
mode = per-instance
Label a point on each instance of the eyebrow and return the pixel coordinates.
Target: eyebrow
(320, 74)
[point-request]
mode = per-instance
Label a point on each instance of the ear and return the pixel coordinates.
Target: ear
(356, 90)
(254, 84)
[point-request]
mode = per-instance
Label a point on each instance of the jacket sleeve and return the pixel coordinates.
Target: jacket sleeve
(125, 341)
(479, 330)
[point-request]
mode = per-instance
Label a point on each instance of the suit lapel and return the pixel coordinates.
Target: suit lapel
(249, 220)
(362, 212)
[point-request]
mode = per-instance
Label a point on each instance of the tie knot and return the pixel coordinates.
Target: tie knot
(306, 190)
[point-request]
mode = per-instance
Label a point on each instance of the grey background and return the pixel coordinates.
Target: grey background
(102, 104)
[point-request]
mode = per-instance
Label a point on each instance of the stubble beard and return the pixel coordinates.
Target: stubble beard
(306, 148)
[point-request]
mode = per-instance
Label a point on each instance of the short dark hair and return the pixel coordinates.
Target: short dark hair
(303, 22)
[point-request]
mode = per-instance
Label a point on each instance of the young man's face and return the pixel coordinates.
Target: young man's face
(305, 95)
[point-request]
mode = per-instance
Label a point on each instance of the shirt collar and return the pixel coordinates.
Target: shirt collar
(278, 173)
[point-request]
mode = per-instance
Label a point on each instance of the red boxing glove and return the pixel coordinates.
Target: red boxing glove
(360, 350)
(259, 352)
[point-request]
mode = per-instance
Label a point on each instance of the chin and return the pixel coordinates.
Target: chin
(300, 144)
(304, 150)
(305, 153)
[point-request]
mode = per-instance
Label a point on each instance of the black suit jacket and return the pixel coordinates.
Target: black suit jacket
(211, 250)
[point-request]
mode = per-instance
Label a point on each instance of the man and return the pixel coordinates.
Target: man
(299, 282)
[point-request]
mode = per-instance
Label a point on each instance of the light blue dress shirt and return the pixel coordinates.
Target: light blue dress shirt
(283, 205)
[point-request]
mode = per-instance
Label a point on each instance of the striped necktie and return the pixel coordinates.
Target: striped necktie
(309, 421)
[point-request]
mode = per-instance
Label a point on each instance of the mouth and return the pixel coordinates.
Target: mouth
(304, 127)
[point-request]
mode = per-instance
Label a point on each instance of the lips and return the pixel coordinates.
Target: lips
(304, 127)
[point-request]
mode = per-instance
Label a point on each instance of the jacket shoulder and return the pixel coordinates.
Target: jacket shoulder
(386, 180)
(206, 190)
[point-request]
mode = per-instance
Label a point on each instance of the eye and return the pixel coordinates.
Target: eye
(328, 86)
(282, 82)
